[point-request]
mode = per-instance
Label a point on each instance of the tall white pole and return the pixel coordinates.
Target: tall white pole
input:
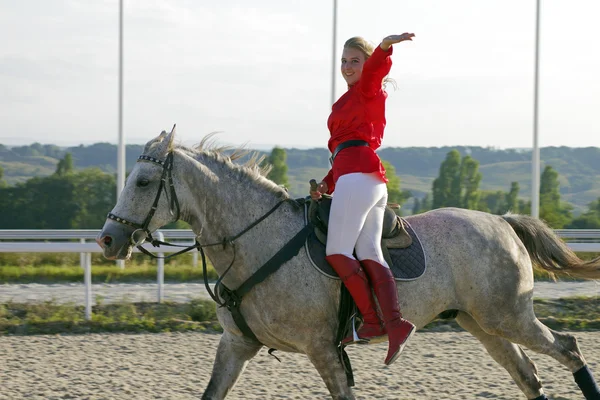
(121, 144)
(87, 279)
(535, 156)
(333, 52)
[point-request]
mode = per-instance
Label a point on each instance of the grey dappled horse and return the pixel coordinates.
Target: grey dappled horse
(479, 264)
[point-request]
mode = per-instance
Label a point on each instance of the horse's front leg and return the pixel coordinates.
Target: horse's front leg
(233, 355)
(326, 360)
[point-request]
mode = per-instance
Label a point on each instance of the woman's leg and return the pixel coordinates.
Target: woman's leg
(354, 197)
(352, 200)
(368, 242)
(368, 251)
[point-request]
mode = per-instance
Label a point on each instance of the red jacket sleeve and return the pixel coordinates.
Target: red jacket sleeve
(329, 181)
(375, 69)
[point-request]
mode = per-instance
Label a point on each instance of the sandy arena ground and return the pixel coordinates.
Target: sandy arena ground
(446, 365)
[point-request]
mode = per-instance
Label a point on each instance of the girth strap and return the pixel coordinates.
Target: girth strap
(233, 298)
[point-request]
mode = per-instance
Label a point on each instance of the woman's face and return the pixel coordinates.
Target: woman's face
(352, 65)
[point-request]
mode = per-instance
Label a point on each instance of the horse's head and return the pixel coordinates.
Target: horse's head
(147, 202)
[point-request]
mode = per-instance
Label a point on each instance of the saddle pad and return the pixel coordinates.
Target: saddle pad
(408, 263)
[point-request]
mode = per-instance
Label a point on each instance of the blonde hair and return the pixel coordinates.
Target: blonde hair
(361, 44)
(367, 48)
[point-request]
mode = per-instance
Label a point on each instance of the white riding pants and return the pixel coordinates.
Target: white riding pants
(356, 217)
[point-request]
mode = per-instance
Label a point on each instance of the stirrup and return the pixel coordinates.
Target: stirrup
(355, 338)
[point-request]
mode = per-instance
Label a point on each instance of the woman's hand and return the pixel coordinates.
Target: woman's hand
(388, 41)
(320, 189)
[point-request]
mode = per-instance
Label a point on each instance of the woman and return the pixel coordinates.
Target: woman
(356, 124)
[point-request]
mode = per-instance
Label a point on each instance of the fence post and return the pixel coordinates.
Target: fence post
(160, 270)
(195, 258)
(87, 278)
(82, 256)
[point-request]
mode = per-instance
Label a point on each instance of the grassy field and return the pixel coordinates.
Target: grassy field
(45, 274)
(64, 268)
(569, 314)
(52, 318)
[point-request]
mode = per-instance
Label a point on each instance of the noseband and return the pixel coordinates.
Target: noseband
(142, 232)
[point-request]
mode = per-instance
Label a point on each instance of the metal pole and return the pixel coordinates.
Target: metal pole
(87, 278)
(160, 271)
(333, 56)
(121, 145)
(535, 157)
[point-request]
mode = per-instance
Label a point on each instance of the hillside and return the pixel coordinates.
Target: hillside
(579, 168)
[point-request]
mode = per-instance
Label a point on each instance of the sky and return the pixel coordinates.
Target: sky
(259, 72)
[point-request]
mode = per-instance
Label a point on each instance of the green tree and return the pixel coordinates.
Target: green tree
(65, 166)
(76, 200)
(426, 203)
(395, 194)
(95, 193)
(552, 210)
(499, 202)
(416, 206)
(588, 220)
(40, 203)
(525, 207)
(278, 160)
(492, 202)
(2, 181)
(469, 185)
(512, 198)
(443, 194)
(458, 182)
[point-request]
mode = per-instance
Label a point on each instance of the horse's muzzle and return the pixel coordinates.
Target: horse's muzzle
(114, 241)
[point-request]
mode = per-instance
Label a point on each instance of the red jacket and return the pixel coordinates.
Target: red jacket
(360, 115)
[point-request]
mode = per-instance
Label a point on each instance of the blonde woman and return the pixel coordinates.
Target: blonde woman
(356, 124)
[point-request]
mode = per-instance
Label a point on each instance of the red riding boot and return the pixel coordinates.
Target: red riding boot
(398, 329)
(356, 281)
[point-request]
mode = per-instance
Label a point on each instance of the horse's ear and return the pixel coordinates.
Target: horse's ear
(171, 137)
(167, 143)
(152, 142)
(161, 145)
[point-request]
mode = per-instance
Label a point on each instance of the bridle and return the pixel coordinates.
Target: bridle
(142, 234)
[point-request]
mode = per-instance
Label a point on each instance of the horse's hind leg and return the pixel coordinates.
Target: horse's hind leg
(233, 355)
(520, 325)
(326, 361)
(507, 354)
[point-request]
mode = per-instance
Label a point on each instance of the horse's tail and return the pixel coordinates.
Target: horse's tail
(548, 251)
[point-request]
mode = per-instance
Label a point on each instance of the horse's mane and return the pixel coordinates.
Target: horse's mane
(253, 168)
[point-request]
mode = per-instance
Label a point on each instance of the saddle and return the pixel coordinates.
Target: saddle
(394, 234)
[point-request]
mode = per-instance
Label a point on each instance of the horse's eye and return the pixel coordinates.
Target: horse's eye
(143, 182)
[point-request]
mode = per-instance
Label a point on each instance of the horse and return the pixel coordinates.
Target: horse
(479, 264)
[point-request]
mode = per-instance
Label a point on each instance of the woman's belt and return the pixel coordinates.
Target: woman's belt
(344, 145)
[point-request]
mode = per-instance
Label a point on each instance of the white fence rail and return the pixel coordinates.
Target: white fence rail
(20, 241)
(54, 241)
